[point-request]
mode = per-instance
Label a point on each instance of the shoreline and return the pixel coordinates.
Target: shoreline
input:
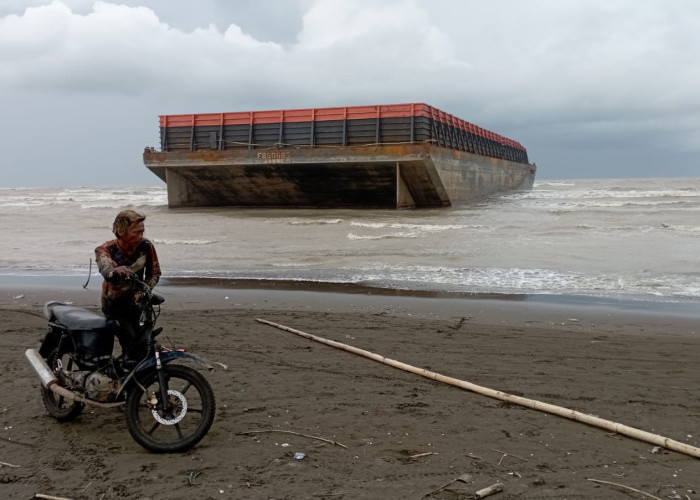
(249, 292)
(251, 298)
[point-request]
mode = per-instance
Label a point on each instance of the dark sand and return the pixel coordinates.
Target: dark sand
(405, 435)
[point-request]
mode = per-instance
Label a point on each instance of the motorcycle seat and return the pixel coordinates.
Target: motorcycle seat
(77, 318)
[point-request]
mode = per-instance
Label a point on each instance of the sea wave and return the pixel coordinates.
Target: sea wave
(352, 236)
(83, 198)
(556, 184)
(307, 222)
(530, 281)
(587, 194)
(414, 226)
(167, 241)
(681, 227)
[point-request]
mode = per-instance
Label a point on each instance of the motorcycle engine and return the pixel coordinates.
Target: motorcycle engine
(100, 387)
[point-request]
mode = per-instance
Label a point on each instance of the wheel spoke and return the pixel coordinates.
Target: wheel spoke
(179, 431)
(186, 388)
(153, 429)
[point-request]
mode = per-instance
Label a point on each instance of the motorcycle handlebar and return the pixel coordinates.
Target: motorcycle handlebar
(154, 298)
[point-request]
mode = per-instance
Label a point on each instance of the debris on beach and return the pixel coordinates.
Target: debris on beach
(491, 490)
(191, 478)
(464, 478)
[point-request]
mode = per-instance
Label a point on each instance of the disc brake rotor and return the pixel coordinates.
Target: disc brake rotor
(179, 403)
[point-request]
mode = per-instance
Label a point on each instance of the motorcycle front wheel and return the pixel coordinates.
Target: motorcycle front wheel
(186, 421)
(60, 408)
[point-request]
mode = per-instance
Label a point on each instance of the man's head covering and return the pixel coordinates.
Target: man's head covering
(124, 220)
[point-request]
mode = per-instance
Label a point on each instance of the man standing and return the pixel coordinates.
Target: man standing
(116, 260)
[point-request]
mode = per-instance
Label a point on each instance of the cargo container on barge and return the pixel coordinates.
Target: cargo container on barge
(383, 156)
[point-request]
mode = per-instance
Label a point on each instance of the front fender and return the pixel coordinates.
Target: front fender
(168, 356)
(165, 357)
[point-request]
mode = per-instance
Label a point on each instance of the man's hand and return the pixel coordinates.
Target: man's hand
(122, 272)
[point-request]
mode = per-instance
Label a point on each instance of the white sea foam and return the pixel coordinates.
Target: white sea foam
(304, 222)
(683, 228)
(399, 235)
(420, 227)
(545, 184)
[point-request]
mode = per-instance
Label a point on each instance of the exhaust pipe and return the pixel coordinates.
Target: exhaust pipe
(50, 382)
(40, 367)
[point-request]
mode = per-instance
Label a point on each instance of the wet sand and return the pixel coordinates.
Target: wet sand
(403, 436)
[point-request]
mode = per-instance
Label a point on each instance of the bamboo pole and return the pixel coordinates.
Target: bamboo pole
(592, 420)
(628, 488)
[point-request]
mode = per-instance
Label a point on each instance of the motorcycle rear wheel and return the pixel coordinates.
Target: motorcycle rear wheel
(59, 407)
(188, 421)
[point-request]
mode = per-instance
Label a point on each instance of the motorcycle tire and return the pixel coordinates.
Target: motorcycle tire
(188, 421)
(60, 408)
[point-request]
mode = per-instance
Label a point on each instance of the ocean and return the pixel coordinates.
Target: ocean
(631, 239)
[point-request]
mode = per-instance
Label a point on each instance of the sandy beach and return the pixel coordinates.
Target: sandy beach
(368, 430)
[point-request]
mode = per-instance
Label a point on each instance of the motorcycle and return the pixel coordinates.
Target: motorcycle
(169, 407)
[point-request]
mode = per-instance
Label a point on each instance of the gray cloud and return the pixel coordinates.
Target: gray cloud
(591, 88)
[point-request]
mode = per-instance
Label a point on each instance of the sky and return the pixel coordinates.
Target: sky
(592, 88)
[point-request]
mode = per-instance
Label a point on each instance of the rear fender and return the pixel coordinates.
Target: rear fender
(51, 341)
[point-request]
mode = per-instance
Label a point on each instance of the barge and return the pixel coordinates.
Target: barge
(383, 156)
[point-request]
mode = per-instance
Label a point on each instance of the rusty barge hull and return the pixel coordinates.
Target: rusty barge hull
(395, 156)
